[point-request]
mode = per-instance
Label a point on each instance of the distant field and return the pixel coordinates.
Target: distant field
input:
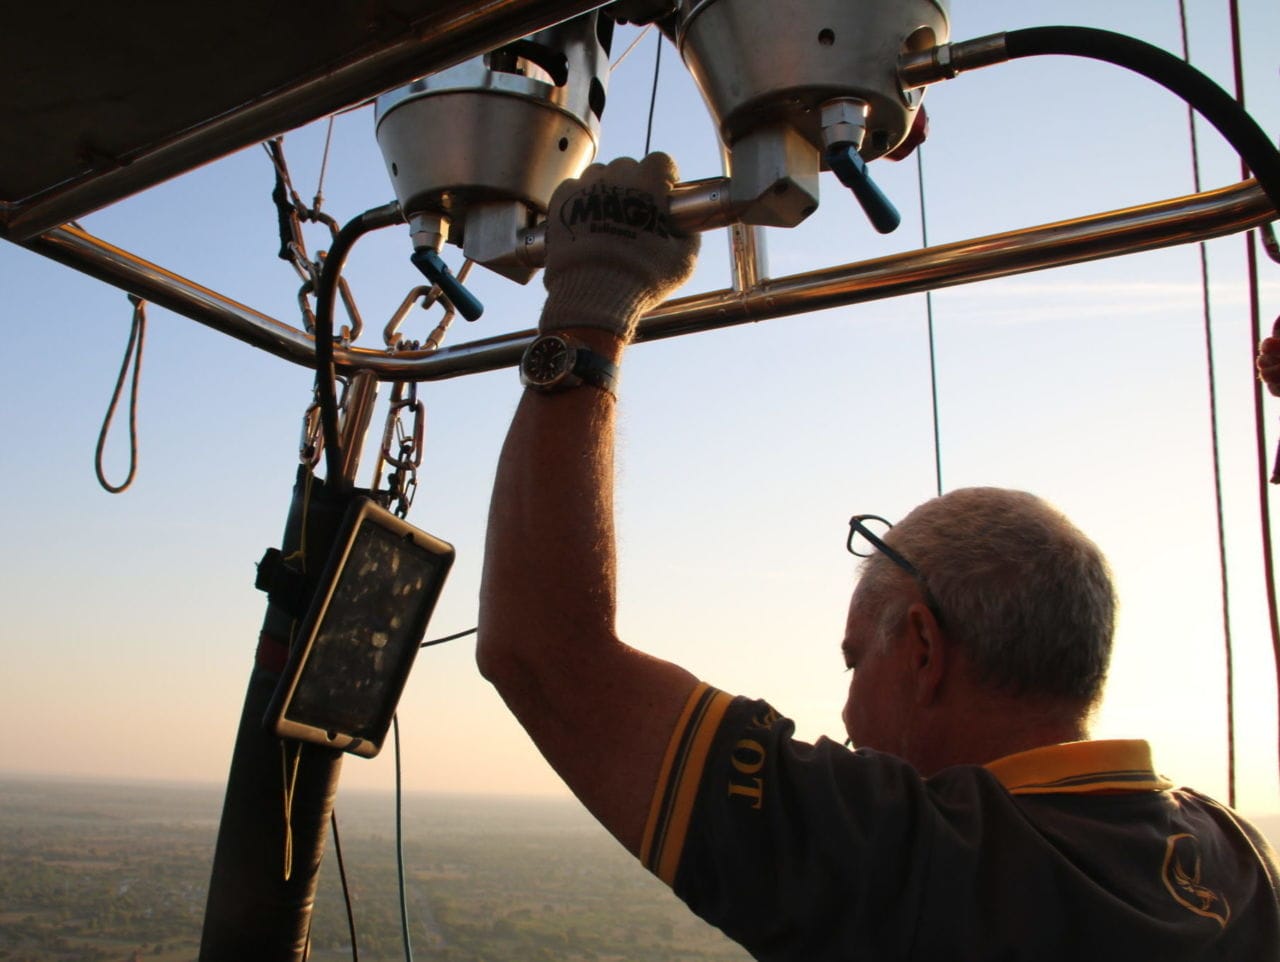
(114, 873)
(101, 873)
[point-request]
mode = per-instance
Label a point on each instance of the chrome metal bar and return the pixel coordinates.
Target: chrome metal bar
(90, 255)
(702, 205)
(948, 60)
(360, 401)
(1167, 223)
(747, 262)
(446, 38)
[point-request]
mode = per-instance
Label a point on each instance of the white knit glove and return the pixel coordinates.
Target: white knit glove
(611, 253)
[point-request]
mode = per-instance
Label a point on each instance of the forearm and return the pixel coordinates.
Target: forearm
(599, 711)
(550, 563)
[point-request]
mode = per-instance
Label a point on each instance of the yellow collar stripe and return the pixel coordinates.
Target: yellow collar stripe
(1122, 765)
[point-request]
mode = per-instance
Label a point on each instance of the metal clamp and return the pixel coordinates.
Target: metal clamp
(311, 443)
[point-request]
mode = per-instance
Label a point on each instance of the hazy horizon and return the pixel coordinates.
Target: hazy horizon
(1268, 821)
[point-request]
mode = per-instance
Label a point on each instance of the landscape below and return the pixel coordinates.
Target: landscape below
(97, 872)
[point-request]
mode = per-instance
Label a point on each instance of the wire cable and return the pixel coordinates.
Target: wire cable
(1215, 444)
(324, 165)
(928, 308)
(404, 908)
(453, 637)
(653, 95)
(346, 889)
(631, 46)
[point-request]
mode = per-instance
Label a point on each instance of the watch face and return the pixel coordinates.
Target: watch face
(547, 361)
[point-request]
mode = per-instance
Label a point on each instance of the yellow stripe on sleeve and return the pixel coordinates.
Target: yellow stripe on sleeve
(674, 796)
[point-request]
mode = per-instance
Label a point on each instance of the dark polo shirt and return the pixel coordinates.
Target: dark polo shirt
(1077, 851)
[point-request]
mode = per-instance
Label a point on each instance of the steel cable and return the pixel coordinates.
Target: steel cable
(928, 308)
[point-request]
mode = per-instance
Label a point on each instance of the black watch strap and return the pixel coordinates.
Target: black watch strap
(596, 370)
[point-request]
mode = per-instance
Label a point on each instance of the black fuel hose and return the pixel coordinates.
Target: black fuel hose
(326, 294)
(1173, 73)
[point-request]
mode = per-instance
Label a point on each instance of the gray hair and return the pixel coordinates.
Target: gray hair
(1018, 586)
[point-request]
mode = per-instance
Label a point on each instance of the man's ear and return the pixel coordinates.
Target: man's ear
(930, 653)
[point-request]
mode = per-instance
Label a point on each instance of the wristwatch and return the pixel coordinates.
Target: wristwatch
(554, 362)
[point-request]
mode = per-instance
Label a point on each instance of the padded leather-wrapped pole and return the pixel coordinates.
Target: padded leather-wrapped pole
(254, 911)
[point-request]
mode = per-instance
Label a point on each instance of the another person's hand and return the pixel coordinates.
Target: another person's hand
(1269, 364)
(611, 252)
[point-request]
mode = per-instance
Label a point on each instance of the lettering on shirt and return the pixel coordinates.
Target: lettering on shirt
(748, 759)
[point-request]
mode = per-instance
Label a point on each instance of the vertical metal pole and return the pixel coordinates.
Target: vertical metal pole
(280, 793)
(360, 400)
(747, 256)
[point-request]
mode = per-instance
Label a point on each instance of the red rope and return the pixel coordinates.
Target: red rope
(1255, 317)
(1215, 443)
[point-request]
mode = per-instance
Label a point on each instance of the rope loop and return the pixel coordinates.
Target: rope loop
(132, 356)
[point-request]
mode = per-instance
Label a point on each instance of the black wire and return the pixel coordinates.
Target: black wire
(346, 889)
(441, 641)
(1215, 104)
(404, 908)
(653, 95)
(325, 369)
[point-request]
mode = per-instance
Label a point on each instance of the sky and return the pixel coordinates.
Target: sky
(131, 620)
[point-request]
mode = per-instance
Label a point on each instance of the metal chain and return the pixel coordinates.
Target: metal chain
(291, 212)
(402, 446)
(428, 296)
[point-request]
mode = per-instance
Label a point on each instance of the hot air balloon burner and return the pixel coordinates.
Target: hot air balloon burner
(786, 80)
(474, 152)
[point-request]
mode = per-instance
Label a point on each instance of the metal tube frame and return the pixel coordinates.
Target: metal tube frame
(455, 35)
(1168, 223)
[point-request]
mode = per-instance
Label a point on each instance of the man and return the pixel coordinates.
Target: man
(1269, 361)
(971, 823)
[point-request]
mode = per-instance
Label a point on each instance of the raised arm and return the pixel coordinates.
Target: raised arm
(599, 711)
